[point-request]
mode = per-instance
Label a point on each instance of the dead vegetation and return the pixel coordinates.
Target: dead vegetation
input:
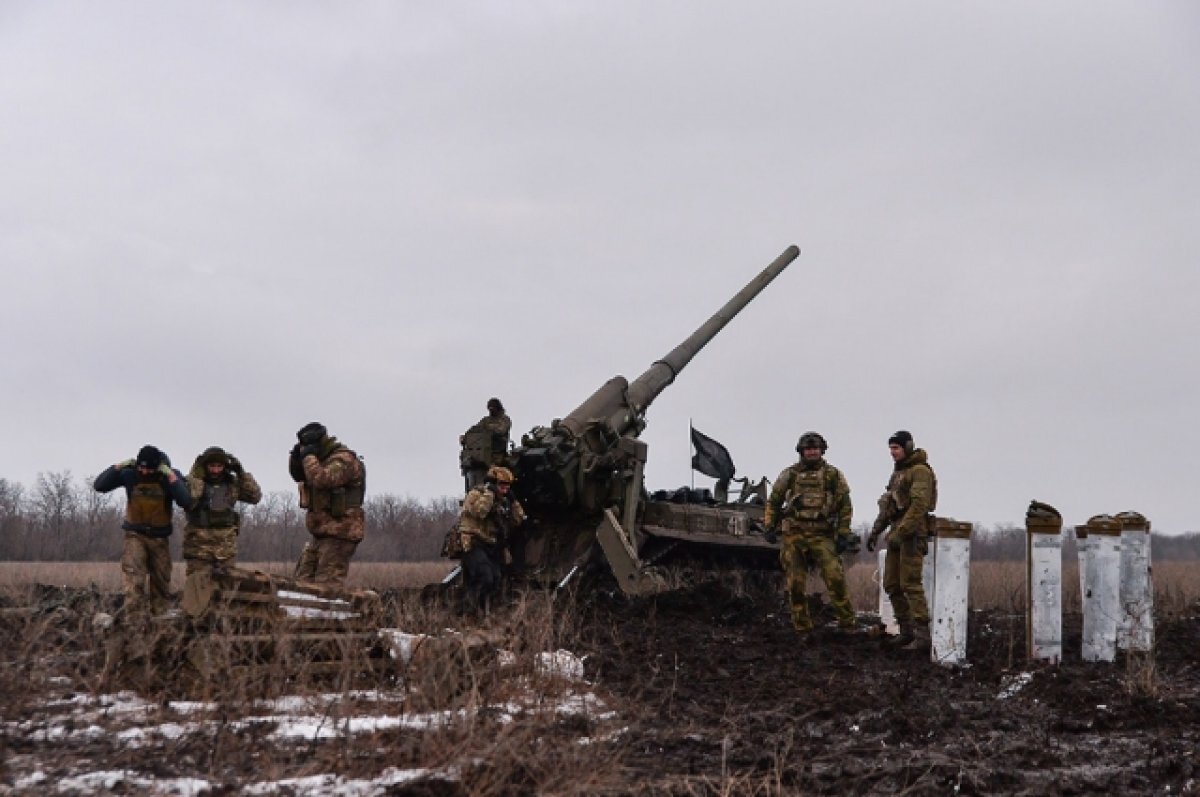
(703, 691)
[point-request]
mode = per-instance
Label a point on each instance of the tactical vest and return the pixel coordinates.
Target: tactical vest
(214, 509)
(811, 494)
(148, 510)
(338, 500)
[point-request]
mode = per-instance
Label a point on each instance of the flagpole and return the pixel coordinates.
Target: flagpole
(691, 469)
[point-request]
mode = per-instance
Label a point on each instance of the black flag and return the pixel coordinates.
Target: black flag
(711, 458)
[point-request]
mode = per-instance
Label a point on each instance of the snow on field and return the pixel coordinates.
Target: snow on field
(107, 723)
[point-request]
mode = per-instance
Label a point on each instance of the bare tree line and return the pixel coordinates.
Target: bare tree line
(62, 518)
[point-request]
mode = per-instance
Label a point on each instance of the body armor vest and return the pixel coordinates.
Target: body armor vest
(214, 510)
(149, 509)
(810, 496)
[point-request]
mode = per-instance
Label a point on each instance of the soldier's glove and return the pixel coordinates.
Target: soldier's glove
(304, 451)
(125, 463)
(872, 540)
(771, 535)
(165, 470)
(235, 465)
(294, 466)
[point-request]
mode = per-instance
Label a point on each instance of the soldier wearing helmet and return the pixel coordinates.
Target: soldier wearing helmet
(810, 505)
(216, 482)
(333, 485)
(485, 444)
(907, 507)
(485, 524)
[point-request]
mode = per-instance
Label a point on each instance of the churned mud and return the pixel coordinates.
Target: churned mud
(705, 691)
(728, 700)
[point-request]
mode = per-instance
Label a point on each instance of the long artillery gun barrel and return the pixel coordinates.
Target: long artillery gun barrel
(591, 459)
(622, 405)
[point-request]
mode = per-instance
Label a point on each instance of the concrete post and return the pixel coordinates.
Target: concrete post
(1136, 628)
(1102, 601)
(950, 550)
(1043, 583)
(887, 616)
(1083, 549)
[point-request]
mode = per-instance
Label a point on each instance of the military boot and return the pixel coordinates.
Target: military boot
(904, 637)
(920, 642)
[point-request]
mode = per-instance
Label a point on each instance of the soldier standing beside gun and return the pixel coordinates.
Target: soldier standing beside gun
(333, 486)
(216, 482)
(152, 488)
(487, 519)
(907, 506)
(485, 444)
(816, 529)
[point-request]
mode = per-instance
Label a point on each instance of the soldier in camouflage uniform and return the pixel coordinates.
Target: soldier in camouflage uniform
(152, 488)
(812, 499)
(485, 525)
(216, 483)
(333, 485)
(907, 506)
(485, 444)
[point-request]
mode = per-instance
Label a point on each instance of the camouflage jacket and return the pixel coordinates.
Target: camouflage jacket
(487, 518)
(817, 496)
(911, 495)
(332, 492)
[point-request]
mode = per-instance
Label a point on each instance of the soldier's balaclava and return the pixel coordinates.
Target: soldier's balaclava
(904, 440)
(494, 406)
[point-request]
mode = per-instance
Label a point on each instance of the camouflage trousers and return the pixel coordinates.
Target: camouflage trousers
(146, 573)
(801, 552)
(325, 560)
(902, 578)
(204, 548)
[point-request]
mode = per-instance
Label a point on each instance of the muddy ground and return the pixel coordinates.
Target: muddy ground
(707, 691)
(728, 695)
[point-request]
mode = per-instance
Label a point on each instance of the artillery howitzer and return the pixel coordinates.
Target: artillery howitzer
(581, 479)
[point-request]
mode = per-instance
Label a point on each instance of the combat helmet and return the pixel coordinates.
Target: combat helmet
(810, 440)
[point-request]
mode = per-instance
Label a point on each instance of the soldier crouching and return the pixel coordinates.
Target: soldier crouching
(488, 516)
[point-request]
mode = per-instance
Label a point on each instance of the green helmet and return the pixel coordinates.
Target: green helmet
(812, 440)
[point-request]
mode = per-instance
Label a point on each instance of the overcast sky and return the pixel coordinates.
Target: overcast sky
(219, 221)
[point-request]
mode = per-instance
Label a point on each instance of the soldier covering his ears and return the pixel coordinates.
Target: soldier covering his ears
(333, 485)
(152, 488)
(216, 482)
(489, 514)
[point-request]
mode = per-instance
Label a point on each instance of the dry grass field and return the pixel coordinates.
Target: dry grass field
(107, 575)
(994, 586)
(702, 691)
